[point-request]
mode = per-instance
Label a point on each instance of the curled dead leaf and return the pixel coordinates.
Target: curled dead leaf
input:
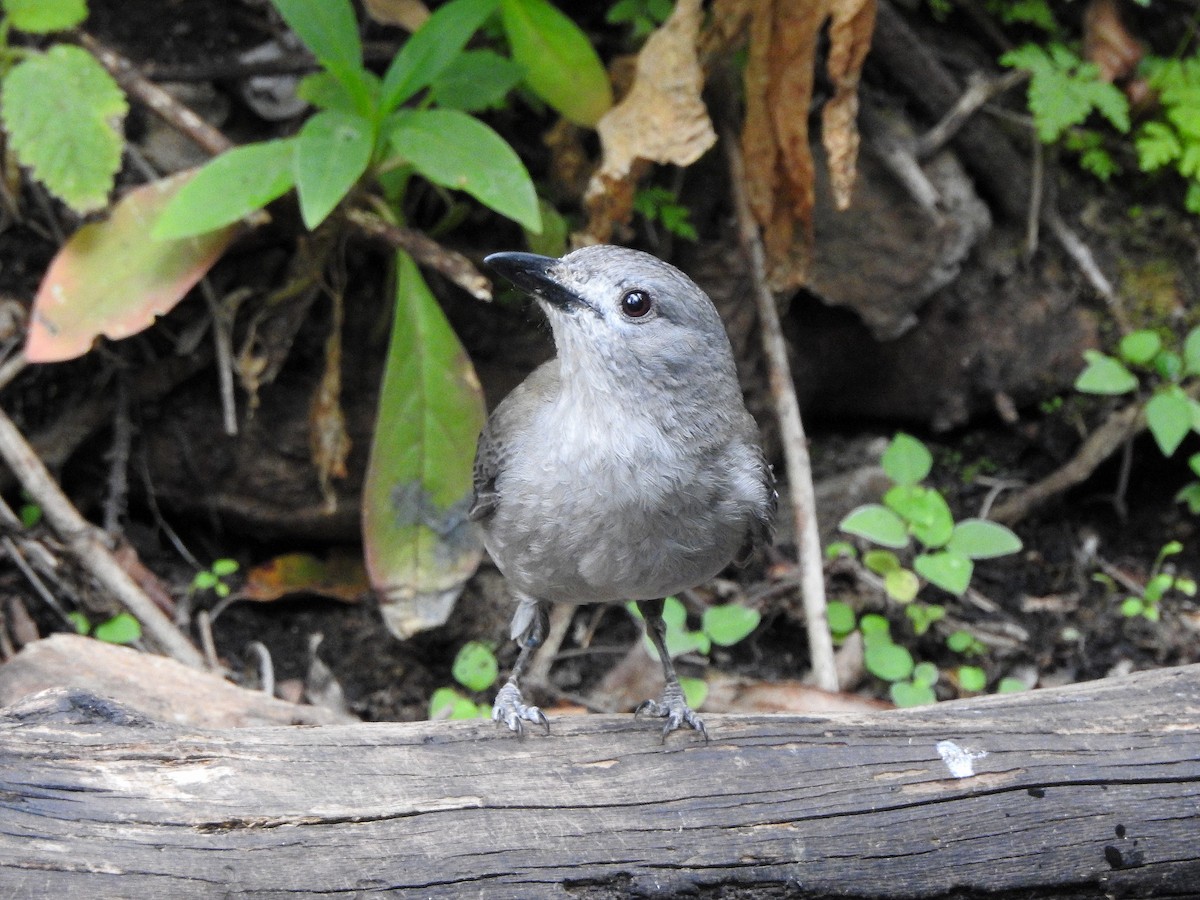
(340, 576)
(661, 119)
(1108, 43)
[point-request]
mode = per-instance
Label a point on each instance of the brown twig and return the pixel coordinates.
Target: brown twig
(980, 90)
(795, 445)
(424, 250)
(86, 542)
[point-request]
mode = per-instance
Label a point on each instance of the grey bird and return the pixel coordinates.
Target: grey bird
(627, 467)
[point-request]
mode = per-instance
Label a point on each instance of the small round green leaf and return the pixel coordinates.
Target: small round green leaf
(1010, 685)
(224, 567)
(878, 524)
(1169, 415)
(1191, 352)
(447, 703)
(925, 673)
(840, 617)
(881, 562)
(888, 661)
(695, 691)
(1139, 347)
(45, 16)
(873, 625)
(906, 694)
(1104, 375)
(80, 621)
(972, 678)
(981, 539)
(901, 585)
(120, 629)
(948, 570)
(475, 667)
(729, 623)
(906, 460)
(960, 641)
(839, 549)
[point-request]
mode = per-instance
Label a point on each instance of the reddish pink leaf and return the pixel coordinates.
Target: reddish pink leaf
(112, 279)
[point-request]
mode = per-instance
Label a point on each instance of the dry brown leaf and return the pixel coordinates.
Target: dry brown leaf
(662, 119)
(328, 439)
(1108, 43)
(775, 140)
(408, 14)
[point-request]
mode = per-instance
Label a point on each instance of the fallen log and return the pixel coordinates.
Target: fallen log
(1076, 791)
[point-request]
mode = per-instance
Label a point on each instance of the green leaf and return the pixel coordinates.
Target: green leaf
(552, 240)
(695, 691)
(679, 639)
(901, 585)
(960, 641)
(729, 623)
(330, 30)
(1169, 365)
(30, 514)
(907, 694)
(948, 570)
(475, 80)
(1139, 347)
(1009, 685)
(80, 621)
(120, 629)
(559, 62)
(109, 279)
(204, 581)
(457, 151)
(447, 703)
(1064, 90)
(1132, 607)
(224, 567)
(925, 673)
(881, 562)
(906, 460)
(434, 47)
(44, 16)
(1104, 375)
(475, 667)
(1157, 145)
(1191, 352)
(874, 626)
(925, 511)
(972, 678)
(1190, 494)
(63, 115)
(1157, 586)
(981, 539)
(227, 189)
(420, 547)
(923, 615)
(878, 524)
(1169, 415)
(840, 616)
(332, 152)
(888, 661)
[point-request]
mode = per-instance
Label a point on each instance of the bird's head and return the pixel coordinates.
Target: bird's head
(624, 316)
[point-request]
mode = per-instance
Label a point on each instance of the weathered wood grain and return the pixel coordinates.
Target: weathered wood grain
(1081, 791)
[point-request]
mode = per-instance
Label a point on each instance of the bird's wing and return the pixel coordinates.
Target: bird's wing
(509, 418)
(761, 532)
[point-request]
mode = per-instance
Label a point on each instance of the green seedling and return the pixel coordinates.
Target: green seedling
(659, 205)
(475, 668)
(122, 628)
(1148, 603)
(213, 578)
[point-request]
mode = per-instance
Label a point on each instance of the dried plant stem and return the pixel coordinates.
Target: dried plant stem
(86, 543)
(795, 444)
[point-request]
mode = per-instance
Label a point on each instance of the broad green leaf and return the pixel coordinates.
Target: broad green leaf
(888, 661)
(552, 240)
(1104, 375)
(420, 547)
(981, 539)
(925, 511)
(972, 678)
(907, 694)
(44, 16)
(110, 279)
(1139, 347)
(948, 570)
(1191, 352)
(435, 46)
(695, 691)
(457, 151)
(881, 562)
(63, 115)
(901, 585)
(906, 460)
(330, 31)
(447, 703)
(840, 617)
(332, 152)
(878, 524)
(475, 667)
(228, 188)
(1169, 415)
(729, 623)
(475, 80)
(559, 62)
(120, 629)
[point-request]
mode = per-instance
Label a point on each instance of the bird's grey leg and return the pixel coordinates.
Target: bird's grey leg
(529, 627)
(672, 707)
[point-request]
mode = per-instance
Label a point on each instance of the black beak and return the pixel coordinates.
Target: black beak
(535, 275)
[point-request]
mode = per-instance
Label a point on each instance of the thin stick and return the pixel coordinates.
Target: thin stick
(795, 445)
(980, 91)
(86, 543)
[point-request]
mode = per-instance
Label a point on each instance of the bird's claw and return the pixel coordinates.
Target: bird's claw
(512, 710)
(672, 707)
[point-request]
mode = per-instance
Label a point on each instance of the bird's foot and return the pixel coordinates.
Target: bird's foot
(511, 709)
(672, 707)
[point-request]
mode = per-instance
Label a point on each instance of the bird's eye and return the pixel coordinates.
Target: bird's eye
(635, 304)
